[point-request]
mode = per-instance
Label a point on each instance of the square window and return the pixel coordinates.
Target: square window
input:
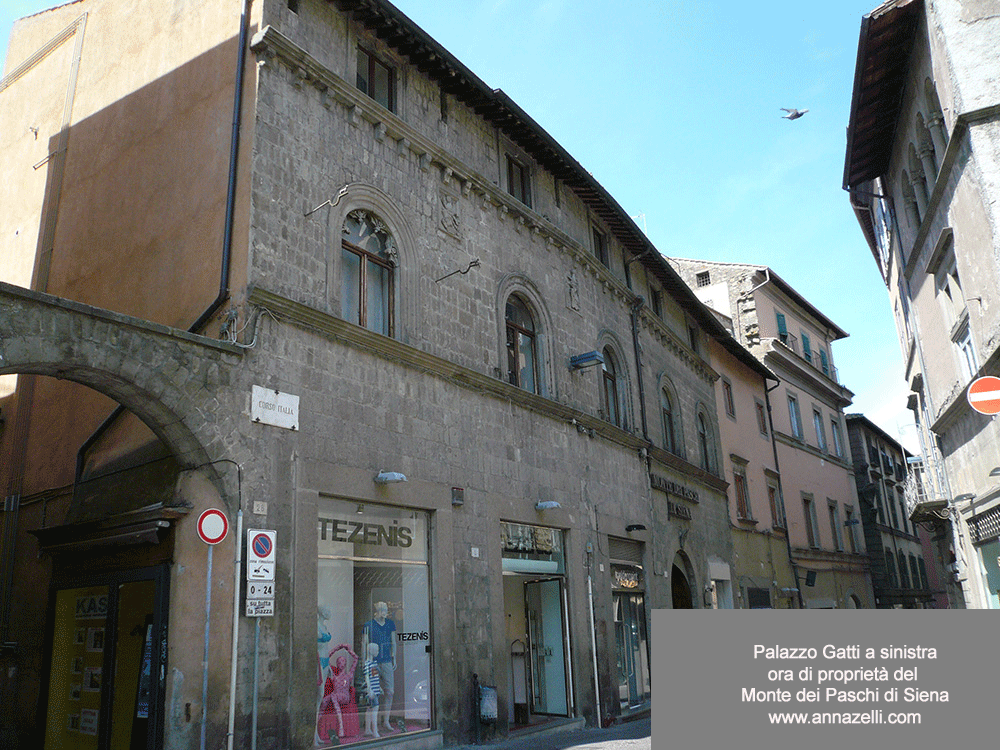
(601, 247)
(517, 181)
(376, 79)
(703, 278)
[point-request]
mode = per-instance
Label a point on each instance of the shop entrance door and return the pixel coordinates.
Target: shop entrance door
(543, 609)
(108, 660)
(633, 664)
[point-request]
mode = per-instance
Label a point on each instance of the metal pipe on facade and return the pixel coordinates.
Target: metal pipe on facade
(237, 569)
(593, 646)
(781, 493)
(227, 241)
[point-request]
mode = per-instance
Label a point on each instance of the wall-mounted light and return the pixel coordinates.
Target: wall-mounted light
(389, 477)
(964, 497)
(588, 359)
(995, 471)
(634, 527)
(361, 509)
(547, 505)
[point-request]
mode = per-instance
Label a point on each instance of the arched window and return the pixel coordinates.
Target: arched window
(609, 380)
(368, 257)
(670, 431)
(522, 353)
(706, 444)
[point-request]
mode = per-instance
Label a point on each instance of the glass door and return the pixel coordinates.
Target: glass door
(630, 636)
(547, 655)
(107, 667)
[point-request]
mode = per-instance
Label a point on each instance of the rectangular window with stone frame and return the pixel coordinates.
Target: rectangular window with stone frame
(376, 79)
(518, 182)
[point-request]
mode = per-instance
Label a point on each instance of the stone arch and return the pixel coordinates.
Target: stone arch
(608, 340)
(665, 384)
(523, 287)
(157, 373)
(359, 195)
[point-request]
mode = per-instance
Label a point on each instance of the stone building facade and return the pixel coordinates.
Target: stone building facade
(763, 574)
(794, 340)
(923, 171)
(881, 470)
(307, 269)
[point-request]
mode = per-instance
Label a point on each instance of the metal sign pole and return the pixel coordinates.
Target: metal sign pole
(204, 663)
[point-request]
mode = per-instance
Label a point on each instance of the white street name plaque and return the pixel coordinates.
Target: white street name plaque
(272, 407)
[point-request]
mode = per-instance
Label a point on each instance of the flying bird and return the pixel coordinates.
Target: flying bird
(793, 114)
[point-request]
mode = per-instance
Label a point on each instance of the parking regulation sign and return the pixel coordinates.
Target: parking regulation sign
(260, 554)
(984, 395)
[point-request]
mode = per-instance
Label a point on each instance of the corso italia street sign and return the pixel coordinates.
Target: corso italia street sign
(984, 395)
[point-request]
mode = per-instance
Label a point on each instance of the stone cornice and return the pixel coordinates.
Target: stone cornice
(802, 445)
(777, 356)
(335, 328)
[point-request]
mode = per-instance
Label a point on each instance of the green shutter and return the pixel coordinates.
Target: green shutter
(824, 362)
(806, 349)
(782, 328)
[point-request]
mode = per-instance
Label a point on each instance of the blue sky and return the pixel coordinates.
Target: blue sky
(674, 106)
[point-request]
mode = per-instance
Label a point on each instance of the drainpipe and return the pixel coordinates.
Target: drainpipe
(593, 647)
(777, 468)
(635, 310)
(227, 241)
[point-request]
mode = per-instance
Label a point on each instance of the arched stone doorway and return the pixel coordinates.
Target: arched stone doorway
(680, 589)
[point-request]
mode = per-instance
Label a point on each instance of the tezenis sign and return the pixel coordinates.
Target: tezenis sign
(360, 532)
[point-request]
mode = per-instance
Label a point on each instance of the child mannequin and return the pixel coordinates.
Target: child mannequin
(374, 688)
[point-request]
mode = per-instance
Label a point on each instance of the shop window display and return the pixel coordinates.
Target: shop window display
(373, 600)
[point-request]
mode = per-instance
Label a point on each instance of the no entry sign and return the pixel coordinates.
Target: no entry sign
(213, 526)
(984, 395)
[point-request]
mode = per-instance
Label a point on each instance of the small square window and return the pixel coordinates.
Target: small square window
(376, 79)
(601, 247)
(517, 181)
(703, 278)
(657, 302)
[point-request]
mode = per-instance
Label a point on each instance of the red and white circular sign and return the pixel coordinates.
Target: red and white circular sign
(984, 395)
(213, 526)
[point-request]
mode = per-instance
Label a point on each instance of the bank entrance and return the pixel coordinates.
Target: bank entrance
(535, 612)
